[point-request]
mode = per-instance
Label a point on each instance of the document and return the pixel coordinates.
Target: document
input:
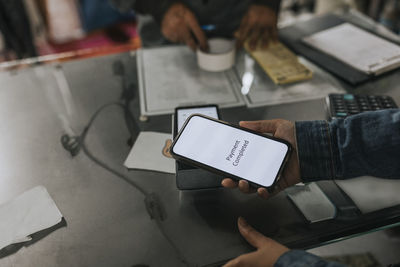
(28, 213)
(170, 77)
(356, 47)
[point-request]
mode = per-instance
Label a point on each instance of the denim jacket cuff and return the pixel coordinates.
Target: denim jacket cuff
(299, 258)
(314, 150)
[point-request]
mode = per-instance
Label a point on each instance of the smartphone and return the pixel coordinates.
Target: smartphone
(231, 151)
(182, 113)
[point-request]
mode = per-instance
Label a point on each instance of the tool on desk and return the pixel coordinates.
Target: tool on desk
(32, 211)
(343, 105)
(281, 65)
(358, 48)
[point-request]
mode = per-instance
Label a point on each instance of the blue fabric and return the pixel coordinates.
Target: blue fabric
(98, 14)
(300, 258)
(364, 144)
(314, 150)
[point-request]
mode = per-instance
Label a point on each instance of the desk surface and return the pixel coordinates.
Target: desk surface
(106, 220)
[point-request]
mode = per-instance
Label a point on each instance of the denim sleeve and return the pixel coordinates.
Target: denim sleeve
(363, 144)
(300, 258)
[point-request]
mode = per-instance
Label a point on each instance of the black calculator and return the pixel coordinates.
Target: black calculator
(344, 105)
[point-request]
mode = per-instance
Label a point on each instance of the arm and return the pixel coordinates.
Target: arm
(270, 253)
(364, 144)
(153, 7)
(273, 4)
(177, 22)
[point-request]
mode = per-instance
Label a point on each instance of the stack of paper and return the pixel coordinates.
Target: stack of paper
(362, 50)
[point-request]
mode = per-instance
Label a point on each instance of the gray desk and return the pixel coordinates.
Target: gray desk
(106, 221)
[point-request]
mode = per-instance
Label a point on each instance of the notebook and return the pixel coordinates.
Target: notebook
(357, 48)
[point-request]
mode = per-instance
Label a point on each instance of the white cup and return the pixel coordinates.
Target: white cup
(220, 57)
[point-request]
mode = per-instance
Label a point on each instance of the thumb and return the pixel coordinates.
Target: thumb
(255, 238)
(266, 126)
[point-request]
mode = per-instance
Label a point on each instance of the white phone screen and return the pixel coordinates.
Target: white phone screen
(185, 113)
(241, 153)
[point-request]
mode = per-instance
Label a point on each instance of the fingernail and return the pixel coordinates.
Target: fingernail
(242, 222)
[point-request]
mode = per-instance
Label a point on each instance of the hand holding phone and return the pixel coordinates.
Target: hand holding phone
(231, 151)
(282, 129)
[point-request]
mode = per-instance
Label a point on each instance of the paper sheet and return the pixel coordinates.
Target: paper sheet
(370, 193)
(356, 47)
(26, 214)
(170, 77)
(149, 153)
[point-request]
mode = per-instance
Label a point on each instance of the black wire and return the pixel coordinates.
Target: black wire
(73, 144)
(153, 205)
(82, 138)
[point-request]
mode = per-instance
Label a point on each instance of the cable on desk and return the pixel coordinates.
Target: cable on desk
(152, 202)
(127, 96)
(74, 144)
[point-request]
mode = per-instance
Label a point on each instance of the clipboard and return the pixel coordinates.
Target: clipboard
(292, 37)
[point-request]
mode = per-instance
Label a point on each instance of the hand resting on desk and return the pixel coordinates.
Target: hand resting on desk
(258, 26)
(178, 25)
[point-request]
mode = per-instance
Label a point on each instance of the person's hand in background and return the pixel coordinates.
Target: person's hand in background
(267, 253)
(259, 25)
(291, 174)
(179, 25)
